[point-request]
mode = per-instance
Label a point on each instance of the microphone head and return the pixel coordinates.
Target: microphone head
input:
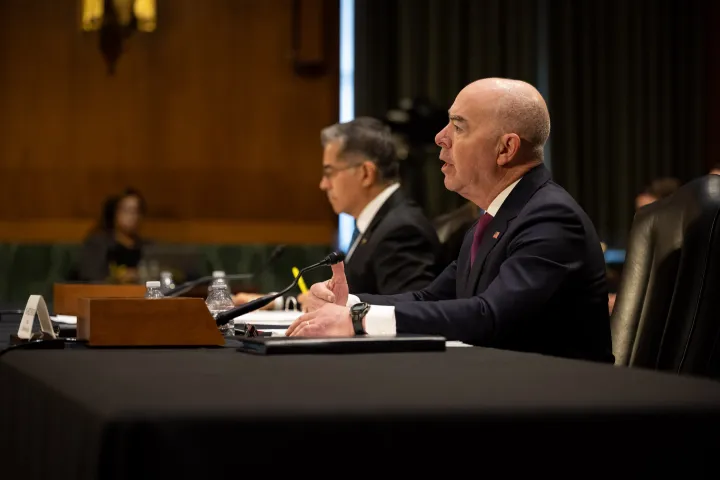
(334, 257)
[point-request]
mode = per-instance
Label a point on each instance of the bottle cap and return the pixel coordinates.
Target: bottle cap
(166, 274)
(218, 274)
(152, 284)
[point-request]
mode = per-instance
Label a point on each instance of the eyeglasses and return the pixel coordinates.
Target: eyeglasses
(329, 172)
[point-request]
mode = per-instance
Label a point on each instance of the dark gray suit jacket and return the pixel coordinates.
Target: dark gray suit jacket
(399, 252)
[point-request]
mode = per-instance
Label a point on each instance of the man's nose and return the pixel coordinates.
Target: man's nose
(442, 139)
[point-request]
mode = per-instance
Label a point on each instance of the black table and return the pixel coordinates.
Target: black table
(217, 413)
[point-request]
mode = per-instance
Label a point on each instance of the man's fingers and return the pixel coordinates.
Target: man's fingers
(338, 270)
(306, 330)
(322, 291)
(298, 322)
(314, 302)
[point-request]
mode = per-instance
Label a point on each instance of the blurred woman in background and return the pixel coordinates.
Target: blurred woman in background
(657, 190)
(113, 250)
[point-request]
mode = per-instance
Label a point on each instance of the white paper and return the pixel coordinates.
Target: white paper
(35, 305)
(279, 317)
(67, 319)
(276, 333)
(269, 317)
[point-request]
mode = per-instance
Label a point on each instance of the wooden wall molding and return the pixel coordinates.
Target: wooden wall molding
(187, 231)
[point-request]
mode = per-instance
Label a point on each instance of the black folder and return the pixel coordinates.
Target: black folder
(338, 345)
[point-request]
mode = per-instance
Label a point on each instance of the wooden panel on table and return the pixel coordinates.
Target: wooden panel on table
(139, 322)
(206, 116)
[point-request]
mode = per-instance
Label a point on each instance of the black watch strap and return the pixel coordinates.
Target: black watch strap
(357, 314)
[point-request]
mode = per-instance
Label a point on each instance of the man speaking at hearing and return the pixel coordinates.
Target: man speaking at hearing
(530, 275)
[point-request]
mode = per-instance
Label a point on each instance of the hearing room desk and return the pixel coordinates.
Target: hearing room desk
(216, 413)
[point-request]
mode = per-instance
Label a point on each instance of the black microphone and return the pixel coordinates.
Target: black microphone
(187, 286)
(224, 317)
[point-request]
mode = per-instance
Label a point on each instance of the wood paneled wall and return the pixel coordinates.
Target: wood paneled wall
(207, 116)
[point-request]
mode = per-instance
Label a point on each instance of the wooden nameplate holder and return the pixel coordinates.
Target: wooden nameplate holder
(66, 296)
(140, 322)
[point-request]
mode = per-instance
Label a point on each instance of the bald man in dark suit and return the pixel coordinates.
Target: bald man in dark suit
(531, 273)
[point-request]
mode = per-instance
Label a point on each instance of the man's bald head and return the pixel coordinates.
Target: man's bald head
(496, 133)
(515, 107)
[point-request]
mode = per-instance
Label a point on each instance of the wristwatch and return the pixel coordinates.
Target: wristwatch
(357, 313)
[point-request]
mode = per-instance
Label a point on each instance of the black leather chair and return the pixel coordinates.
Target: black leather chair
(667, 312)
(451, 228)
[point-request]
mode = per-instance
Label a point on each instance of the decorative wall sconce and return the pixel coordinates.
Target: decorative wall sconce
(116, 20)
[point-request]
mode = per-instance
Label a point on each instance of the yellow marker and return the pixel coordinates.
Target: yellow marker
(301, 282)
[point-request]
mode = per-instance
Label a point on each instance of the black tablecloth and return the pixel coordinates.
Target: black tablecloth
(204, 413)
(9, 325)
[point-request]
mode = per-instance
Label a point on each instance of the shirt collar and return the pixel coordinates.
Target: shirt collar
(368, 213)
(500, 199)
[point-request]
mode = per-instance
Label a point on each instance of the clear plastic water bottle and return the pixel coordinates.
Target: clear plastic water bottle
(217, 275)
(218, 301)
(153, 289)
(166, 281)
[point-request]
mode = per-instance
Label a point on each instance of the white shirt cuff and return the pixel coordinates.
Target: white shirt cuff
(380, 320)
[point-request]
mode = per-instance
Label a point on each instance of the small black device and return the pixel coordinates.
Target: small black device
(282, 345)
(357, 314)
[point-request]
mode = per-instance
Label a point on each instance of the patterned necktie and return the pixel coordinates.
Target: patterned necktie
(479, 229)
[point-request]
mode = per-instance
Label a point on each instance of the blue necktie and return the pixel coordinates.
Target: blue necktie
(355, 235)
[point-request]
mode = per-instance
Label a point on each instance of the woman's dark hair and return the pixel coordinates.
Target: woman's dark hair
(110, 206)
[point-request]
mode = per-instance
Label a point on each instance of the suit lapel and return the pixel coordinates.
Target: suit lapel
(517, 199)
(393, 201)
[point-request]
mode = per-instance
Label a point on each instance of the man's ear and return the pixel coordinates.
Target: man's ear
(369, 174)
(508, 147)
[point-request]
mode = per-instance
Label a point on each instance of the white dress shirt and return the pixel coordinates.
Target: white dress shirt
(380, 320)
(368, 213)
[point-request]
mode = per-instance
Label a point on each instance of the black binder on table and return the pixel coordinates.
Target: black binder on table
(338, 345)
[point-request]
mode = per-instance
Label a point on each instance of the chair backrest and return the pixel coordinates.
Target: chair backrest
(451, 228)
(667, 313)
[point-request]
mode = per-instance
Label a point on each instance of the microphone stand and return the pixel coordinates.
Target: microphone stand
(187, 286)
(224, 317)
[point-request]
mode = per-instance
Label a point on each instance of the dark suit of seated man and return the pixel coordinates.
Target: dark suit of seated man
(530, 275)
(398, 248)
(394, 248)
